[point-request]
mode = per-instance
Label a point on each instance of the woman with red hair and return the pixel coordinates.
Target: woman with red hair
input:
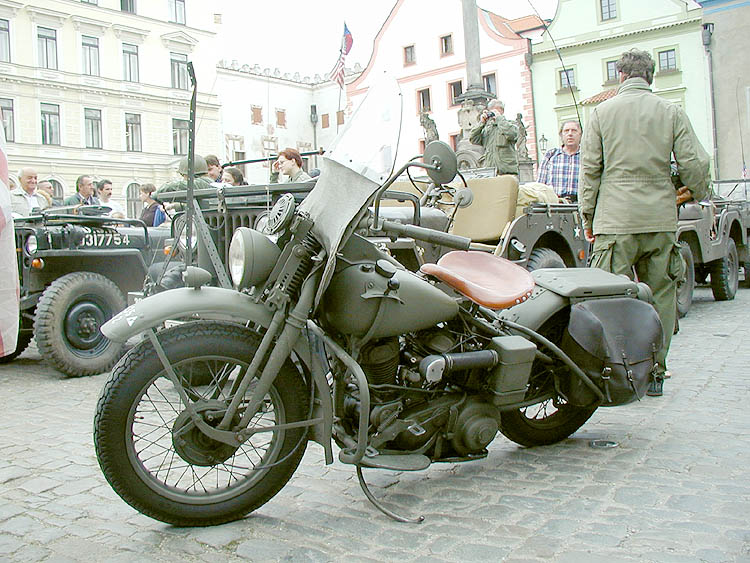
(289, 163)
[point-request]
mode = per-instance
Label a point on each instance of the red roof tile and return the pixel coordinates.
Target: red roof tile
(600, 97)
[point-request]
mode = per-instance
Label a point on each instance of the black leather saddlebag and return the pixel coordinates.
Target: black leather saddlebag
(614, 341)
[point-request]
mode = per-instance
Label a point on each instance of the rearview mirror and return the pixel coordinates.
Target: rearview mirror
(441, 162)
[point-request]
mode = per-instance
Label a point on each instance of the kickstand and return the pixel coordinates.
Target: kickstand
(379, 506)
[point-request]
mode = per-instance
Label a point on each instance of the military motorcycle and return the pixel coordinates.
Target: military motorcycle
(327, 338)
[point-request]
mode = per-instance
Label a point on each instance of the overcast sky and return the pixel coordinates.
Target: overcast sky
(305, 35)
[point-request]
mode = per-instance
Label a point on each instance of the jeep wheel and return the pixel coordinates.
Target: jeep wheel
(544, 258)
(686, 286)
(725, 274)
(68, 317)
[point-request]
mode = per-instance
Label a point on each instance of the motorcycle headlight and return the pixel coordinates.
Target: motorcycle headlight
(31, 244)
(252, 256)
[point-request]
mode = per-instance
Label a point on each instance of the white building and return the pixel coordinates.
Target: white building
(422, 45)
(100, 87)
(264, 111)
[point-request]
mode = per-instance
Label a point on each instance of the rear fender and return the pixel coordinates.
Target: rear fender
(537, 309)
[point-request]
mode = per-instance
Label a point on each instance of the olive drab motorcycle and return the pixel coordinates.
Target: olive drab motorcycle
(327, 338)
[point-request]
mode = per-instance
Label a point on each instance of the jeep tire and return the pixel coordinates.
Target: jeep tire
(725, 274)
(544, 258)
(68, 318)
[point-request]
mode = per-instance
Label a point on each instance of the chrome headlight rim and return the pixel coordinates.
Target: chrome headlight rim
(31, 245)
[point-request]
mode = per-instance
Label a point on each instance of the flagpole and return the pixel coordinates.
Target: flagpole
(341, 87)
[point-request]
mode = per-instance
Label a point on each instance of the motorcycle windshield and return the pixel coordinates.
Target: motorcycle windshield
(360, 161)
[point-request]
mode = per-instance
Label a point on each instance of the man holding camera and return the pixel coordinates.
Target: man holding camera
(498, 136)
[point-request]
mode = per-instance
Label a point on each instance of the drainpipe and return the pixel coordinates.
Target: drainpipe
(708, 29)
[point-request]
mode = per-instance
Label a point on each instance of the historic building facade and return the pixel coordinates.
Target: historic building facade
(727, 43)
(423, 48)
(100, 87)
(574, 60)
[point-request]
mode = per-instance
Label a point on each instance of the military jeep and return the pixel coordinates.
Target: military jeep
(74, 270)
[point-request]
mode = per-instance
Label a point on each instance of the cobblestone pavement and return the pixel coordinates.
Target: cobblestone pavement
(675, 488)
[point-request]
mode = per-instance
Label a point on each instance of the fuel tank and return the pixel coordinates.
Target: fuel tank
(377, 297)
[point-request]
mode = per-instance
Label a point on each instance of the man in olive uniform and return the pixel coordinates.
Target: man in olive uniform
(626, 196)
(498, 136)
(201, 181)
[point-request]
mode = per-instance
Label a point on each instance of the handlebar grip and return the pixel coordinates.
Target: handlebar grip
(428, 235)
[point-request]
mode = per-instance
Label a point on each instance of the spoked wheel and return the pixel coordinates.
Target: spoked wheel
(157, 459)
(551, 419)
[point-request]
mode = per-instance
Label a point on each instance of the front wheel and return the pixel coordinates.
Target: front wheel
(155, 457)
(725, 274)
(68, 318)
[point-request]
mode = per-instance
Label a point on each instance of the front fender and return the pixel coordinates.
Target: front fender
(175, 303)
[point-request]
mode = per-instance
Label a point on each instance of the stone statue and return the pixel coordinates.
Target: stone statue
(523, 152)
(429, 126)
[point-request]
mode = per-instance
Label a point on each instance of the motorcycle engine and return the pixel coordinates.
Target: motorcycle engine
(464, 423)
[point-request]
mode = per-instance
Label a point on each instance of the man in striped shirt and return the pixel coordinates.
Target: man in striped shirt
(560, 166)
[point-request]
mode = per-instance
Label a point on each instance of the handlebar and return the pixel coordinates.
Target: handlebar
(427, 235)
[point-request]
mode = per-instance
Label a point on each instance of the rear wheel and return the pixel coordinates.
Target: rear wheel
(68, 318)
(686, 286)
(544, 258)
(161, 464)
(551, 419)
(725, 274)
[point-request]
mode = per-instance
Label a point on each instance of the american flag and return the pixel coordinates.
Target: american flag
(337, 74)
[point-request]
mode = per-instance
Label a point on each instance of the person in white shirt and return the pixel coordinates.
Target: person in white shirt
(105, 197)
(26, 198)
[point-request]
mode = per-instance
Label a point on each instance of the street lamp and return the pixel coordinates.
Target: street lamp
(543, 143)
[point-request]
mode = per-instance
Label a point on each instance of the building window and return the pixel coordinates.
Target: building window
(409, 55)
(456, 89)
(256, 115)
(132, 200)
(95, 2)
(325, 121)
(490, 85)
(4, 41)
(90, 55)
(177, 11)
(129, 62)
(667, 60)
(611, 71)
(57, 189)
(567, 79)
(609, 9)
(132, 132)
(127, 6)
(93, 127)
(446, 45)
(340, 117)
(179, 71)
(50, 124)
(47, 44)
(281, 118)
(454, 141)
(6, 113)
(423, 100)
(180, 133)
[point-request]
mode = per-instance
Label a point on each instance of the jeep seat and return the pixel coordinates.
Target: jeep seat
(493, 207)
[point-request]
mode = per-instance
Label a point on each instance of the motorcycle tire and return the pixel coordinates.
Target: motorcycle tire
(160, 463)
(550, 420)
(544, 258)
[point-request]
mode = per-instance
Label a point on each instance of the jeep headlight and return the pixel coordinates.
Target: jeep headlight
(31, 244)
(252, 256)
